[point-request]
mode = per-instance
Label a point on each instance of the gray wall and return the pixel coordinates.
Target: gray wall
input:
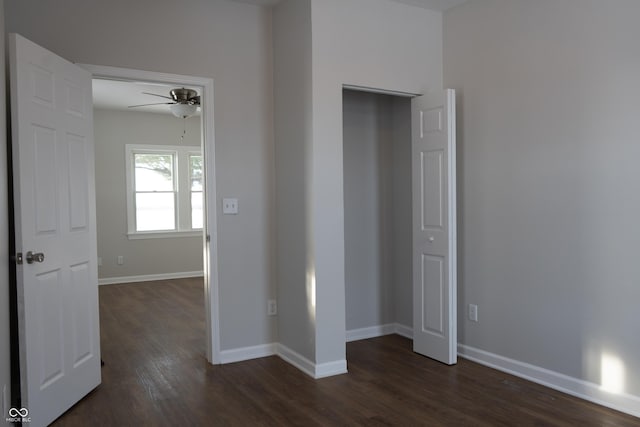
(292, 103)
(113, 130)
(5, 368)
(374, 43)
(231, 43)
(402, 239)
(377, 209)
(548, 180)
(407, 56)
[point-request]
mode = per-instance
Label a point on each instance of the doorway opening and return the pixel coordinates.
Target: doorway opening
(399, 177)
(172, 151)
(377, 214)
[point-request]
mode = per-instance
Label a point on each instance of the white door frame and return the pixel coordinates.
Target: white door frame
(452, 215)
(210, 235)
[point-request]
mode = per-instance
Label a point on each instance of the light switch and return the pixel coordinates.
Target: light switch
(230, 206)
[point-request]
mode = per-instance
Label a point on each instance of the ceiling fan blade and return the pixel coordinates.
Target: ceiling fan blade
(146, 105)
(195, 100)
(155, 94)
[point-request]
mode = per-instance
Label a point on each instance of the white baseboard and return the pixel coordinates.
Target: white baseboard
(329, 369)
(148, 277)
(315, 371)
(297, 360)
(378, 331)
(592, 392)
(405, 331)
(370, 332)
(247, 353)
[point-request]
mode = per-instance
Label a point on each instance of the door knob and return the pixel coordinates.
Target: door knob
(34, 257)
(431, 239)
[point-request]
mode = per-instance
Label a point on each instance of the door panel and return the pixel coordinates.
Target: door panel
(432, 295)
(82, 331)
(432, 189)
(434, 237)
(49, 326)
(43, 178)
(54, 205)
(77, 172)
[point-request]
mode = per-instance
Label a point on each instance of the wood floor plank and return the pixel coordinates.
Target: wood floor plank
(156, 374)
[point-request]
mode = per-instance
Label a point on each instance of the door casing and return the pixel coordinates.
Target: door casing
(210, 230)
(451, 202)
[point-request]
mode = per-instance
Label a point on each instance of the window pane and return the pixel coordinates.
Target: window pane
(196, 209)
(196, 184)
(195, 163)
(154, 172)
(155, 211)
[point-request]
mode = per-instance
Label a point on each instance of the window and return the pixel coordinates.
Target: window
(165, 186)
(196, 175)
(155, 191)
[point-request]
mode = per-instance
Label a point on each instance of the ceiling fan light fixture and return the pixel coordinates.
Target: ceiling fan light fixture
(183, 110)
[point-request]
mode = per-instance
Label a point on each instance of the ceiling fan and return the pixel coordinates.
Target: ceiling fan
(185, 102)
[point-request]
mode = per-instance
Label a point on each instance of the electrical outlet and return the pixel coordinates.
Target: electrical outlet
(120, 260)
(272, 307)
(473, 312)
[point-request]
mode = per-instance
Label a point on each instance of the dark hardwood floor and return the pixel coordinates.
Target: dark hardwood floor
(156, 374)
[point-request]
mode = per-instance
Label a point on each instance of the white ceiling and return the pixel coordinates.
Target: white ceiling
(439, 5)
(119, 95)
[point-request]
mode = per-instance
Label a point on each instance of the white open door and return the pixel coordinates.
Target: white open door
(434, 225)
(54, 204)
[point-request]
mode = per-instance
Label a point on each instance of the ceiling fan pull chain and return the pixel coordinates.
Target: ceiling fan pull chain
(184, 128)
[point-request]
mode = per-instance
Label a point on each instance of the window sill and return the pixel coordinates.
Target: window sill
(142, 235)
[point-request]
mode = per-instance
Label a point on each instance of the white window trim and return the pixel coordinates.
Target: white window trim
(181, 168)
(164, 234)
